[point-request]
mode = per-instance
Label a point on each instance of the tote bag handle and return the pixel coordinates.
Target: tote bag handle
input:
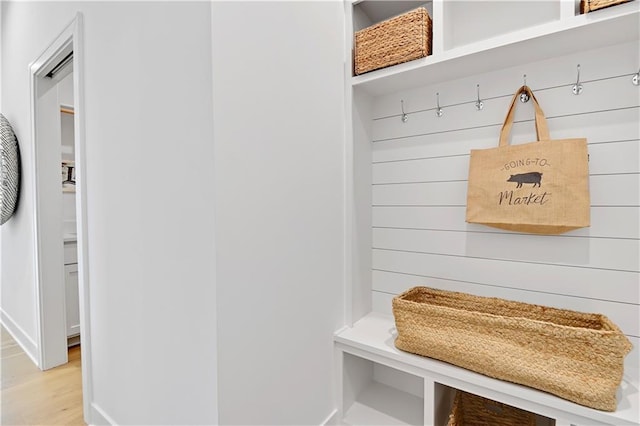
(542, 130)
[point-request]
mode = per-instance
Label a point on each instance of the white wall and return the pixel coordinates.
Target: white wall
(149, 149)
(65, 91)
(67, 136)
(279, 136)
(420, 169)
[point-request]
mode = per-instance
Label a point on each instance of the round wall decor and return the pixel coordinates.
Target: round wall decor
(9, 170)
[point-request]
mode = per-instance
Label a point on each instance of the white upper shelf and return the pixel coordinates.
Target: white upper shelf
(602, 28)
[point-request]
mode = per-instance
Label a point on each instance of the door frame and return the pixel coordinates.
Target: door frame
(49, 344)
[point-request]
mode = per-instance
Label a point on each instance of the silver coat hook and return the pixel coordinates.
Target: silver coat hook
(404, 117)
(524, 96)
(479, 103)
(577, 88)
(636, 78)
(439, 111)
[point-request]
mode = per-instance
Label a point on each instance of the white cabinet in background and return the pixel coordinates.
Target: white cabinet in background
(72, 300)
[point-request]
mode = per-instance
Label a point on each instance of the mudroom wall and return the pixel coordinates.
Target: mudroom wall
(419, 183)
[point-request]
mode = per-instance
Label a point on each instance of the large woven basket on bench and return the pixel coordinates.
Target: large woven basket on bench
(576, 356)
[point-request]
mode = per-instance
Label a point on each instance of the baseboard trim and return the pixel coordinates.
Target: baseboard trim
(332, 419)
(27, 344)
(99, 417)
(73, 341)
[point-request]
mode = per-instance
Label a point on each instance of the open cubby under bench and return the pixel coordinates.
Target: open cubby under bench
(379, 384)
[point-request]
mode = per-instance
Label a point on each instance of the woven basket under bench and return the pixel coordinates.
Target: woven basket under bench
(577, 356)
(403, 38)
(469, 409)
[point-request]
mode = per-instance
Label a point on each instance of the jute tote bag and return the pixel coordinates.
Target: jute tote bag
(539, 187)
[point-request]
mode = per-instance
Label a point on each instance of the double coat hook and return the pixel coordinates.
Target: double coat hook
(524, 96)
(404, 116)
(577, 88)
(439, 111)
(479, 103)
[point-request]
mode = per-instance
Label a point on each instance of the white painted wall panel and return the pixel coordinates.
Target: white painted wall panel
(597, 127)
(149, 163)
(455, 193)
(452, 193)
(279, 160)
(440, 169)
(617, 286)
(598, 253)
(606, 222)
(419, 182)
(614, 158)
(471, 29)
(627, 193)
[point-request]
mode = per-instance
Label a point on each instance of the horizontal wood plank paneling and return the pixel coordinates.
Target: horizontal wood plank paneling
(597, 127)
(614, 286)
(611, 158)
(606, 222)
(605, 190)
(597, 253)
(419, 173)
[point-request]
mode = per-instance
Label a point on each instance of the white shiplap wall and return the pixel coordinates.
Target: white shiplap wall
(419, 181)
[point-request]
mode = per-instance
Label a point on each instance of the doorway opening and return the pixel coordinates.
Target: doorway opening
(59, 201)
(69, 217)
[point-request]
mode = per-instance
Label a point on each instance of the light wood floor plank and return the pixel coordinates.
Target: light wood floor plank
(34, 397)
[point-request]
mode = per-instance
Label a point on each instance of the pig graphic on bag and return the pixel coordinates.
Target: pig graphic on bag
(533, 177)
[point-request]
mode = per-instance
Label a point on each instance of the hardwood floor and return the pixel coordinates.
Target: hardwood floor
(34, 397)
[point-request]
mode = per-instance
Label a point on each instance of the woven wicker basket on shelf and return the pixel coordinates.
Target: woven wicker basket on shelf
(576, 356)
(587, 6)
(469, 409)
(394, 41)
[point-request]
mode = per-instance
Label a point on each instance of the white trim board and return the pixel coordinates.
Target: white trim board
(27, 344)
(50, 329)
(332, 419)
(99, 417)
